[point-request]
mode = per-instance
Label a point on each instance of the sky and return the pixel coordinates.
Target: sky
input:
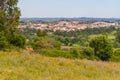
(69, 8)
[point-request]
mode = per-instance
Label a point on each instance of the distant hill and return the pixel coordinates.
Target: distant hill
(72, 19)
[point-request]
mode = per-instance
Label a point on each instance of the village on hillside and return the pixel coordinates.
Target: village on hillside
(66, 25)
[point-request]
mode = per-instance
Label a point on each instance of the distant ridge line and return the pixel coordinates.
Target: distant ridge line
(72, 19)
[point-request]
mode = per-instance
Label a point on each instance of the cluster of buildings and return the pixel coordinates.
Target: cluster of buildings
(65, 25)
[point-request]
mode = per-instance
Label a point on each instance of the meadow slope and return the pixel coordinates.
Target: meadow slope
(22, 66)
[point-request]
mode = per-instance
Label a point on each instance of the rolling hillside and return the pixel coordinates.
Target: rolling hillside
(22, 66)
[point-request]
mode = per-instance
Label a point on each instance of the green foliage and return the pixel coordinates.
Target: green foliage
(88, 53)
(102, 47)
(57, 53)
(3, 41)
(118, 36)
(29, 33)
(85, 32)
(41, 33)
(9, 13)
(116, 55)
(76, 51)
(2, 20)
(9, 20)
(82, 52)
(66, 41)
(116, 44)
(45, 43)
(80, 36)
(18, 40)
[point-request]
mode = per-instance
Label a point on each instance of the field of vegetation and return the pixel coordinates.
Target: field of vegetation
(28, 54)
(23, 66)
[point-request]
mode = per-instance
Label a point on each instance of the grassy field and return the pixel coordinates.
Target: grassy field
(23, 66)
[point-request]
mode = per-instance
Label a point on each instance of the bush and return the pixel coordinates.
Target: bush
(76, 51)
(18, 40)
(3, 45)
(83, 52)
(116, 44)
(102, 47)
(116, 55)
(88, 53)
(41, 33)
(56, 53)
(3, 41)
(45, 43)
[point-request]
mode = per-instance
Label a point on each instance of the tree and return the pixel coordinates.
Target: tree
(2, 21)
(102, 47)
(41, 33)
(66, 41)
(9, 14)
(9, 20)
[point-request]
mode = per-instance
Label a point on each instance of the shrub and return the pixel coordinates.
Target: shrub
(116, 44)
(41, 33)
(3, 41)
(88, 53)
(116, 55)
(3, 45)
(56, 53)
(83, 52)
(76, 51)
(18, 40)
(45, 43)
(102, 47)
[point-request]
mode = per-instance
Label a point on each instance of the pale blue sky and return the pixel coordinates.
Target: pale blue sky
(70, 8)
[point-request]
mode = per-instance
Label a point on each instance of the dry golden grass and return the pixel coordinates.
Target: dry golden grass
(22, 66)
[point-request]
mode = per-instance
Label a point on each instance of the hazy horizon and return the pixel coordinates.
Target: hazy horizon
(74, 17)
(69, 8)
